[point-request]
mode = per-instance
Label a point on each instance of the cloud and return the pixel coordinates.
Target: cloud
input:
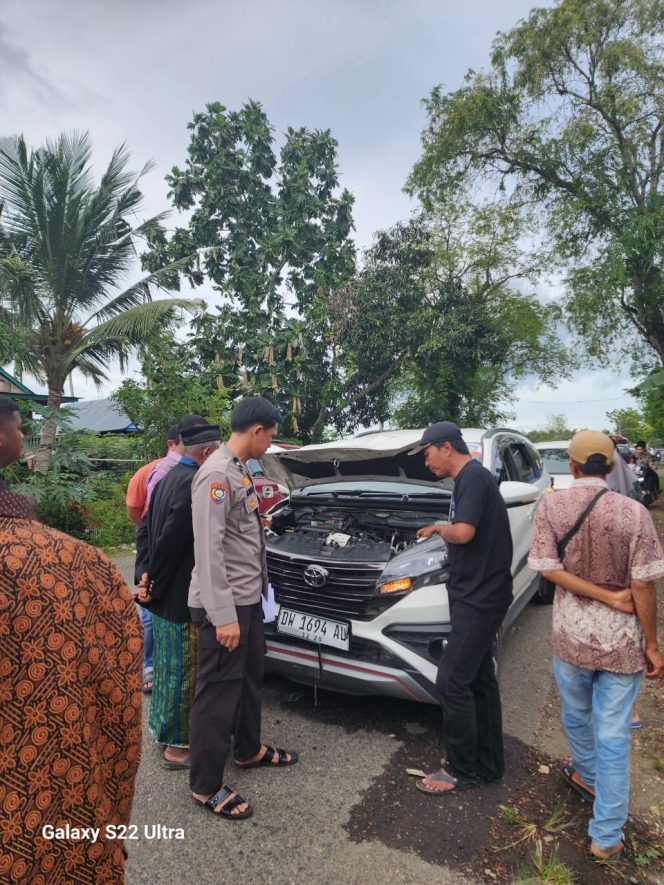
(16, 66)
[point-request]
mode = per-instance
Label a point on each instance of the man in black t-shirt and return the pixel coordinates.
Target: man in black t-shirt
(479, 588)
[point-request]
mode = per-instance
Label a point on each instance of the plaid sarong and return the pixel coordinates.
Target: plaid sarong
(174, 680)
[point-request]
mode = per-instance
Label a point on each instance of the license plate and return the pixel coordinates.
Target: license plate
(312, 628)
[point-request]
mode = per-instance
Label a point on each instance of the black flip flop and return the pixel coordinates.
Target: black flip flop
(225, 812)
(266, 760)
(568, 771)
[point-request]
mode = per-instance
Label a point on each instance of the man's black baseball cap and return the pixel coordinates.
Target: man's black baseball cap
(442, 431)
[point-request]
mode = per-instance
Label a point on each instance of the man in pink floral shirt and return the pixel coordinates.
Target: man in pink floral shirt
(604, 627)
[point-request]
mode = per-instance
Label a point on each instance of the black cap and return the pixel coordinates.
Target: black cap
(202, 433)
(443, 431)
(173, 431)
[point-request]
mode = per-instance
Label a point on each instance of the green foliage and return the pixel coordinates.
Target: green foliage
(272, 233)
(58, 493)
(65, 246)
(176, 381)
(454, 328)
(653, 414)
(630, 423)
(106, 517)
(114, 453)
(555, 428)
(568, 118)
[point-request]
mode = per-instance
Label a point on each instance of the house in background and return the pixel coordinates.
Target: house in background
(100, 416)
(10, 386)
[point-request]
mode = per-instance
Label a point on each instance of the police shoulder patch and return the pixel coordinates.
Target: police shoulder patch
(218, 492)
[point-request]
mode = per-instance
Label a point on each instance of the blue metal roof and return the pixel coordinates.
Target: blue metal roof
(100, 416)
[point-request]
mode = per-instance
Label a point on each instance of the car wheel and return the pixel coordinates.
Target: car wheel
(545, 592)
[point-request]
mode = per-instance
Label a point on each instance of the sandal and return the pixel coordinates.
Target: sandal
(568, 771)
(445, 778)
(268, 756)
(609, 855)
(226, 812)
(176, 766)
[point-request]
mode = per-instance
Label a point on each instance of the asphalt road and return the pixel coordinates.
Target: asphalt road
(298, 831)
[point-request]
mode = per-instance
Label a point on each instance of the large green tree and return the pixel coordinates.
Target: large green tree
(173, 382)
(271, 231)
(442, 313)
(570, 118)
(66, 247)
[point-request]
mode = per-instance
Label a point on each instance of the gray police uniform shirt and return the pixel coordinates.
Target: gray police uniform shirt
(229, 541)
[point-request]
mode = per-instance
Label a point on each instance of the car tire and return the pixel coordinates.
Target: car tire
(545, 592)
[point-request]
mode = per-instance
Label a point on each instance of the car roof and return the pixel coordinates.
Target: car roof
(553, 444)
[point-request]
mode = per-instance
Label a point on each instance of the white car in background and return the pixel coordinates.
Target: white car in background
(556, 460)
(361, 604)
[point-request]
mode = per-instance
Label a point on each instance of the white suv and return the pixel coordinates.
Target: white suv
(361, 604)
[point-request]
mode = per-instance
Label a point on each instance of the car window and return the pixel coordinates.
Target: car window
(555, 460)
(522, 467)
(256, 467)
(498, 466)
(536, 460)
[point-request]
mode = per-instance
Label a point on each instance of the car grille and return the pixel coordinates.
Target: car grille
(346, 592)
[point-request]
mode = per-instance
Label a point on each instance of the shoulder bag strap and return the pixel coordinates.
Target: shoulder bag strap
(564, 541)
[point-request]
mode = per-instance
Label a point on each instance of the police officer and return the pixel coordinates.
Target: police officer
(225, 602)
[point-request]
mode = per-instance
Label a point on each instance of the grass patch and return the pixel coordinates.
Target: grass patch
(528, 831)
(547, 869)
(657, 762)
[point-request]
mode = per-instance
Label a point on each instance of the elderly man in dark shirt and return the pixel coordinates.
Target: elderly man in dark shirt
(164, 589)
(479, 588)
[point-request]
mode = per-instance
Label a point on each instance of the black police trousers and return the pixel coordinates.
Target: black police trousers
(227, 699)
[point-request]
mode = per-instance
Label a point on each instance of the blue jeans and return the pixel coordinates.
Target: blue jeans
(148, 642)
(596, 715)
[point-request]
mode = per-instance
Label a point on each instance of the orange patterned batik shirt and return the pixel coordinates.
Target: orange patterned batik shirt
(70, 704)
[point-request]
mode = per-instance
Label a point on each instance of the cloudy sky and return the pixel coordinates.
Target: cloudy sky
(137, 71)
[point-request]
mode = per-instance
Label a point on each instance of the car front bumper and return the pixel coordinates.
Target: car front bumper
(401, 665)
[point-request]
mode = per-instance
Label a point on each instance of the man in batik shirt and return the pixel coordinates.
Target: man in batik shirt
(70, 699)
(602, 640)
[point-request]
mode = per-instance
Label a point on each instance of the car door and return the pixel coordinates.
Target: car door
(523, 464)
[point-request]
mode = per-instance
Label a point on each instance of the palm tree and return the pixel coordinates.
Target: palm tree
(66, 245)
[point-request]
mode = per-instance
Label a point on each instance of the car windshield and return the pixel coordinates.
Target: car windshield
(555, 460)
(372, 489)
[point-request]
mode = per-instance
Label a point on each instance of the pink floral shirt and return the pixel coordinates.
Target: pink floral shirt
(617, 543)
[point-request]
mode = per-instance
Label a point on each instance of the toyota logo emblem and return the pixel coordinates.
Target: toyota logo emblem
(316, 575)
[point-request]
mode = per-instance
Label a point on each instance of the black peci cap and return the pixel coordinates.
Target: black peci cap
(173, 431)
(443, 431)
(202, 433)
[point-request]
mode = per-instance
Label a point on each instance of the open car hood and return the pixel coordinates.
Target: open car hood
(380, 456)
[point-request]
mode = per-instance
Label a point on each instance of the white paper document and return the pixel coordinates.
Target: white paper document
(268, 606)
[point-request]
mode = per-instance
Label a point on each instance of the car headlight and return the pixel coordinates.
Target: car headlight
(424, 558)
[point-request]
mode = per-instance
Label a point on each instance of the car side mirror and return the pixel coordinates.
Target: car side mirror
(515, 493)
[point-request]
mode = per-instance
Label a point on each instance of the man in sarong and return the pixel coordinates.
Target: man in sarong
(164, 589)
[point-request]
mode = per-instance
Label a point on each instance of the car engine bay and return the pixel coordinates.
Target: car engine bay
(367, 534)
